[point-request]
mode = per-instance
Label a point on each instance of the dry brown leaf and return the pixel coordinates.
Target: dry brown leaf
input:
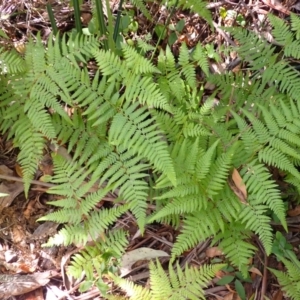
(294, 212)
(255, 271)
(278, 295)
(4, 170)
(229, 296)
(13, 190)
(19, 170)
(213, 252)
(237, 185)
(36, 295)
(135, 255)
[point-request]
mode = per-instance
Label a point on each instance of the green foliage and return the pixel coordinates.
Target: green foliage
(187, 284)
(138, 129)
(288, 280)
(101, 258)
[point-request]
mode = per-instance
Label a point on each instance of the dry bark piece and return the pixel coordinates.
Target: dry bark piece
(13, 285)
(44, 230)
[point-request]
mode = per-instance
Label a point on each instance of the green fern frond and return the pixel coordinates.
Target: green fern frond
(281, 30)
(198, 7)
(234, 243)
(218, 173)
(178, 284)
(31, 143)
(79, 233)
(258, 182)
(134, 129)
(140, 4)
(289, 280)
(133, 291)
(200, 57)
(187, 69)
(253, 49)
(255, 219)
(276, 158)
(197, 227)
(99, 257)
(137, 63)
(187, 284)
(205, 160)
(11, 62)
(295, 24)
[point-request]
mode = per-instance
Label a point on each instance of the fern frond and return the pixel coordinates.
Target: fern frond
(137, 63)
(295, 23)
(281, 30)
(289, 280)
(140, 4)
(258, 182)
(99, 257)
(32, 145)
(234, 243)
(197, 227)
(256, 220)
(133, 291)
(187, 69)
(11, 62)
(134, 129)
(218, 174)
(198, 7)
(79, 233)
(187, 284)
(200, 57)
(178, 284)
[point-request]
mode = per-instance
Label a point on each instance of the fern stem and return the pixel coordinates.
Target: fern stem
(18, 179)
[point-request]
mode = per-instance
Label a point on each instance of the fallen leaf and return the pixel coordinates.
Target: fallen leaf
(237, 185)
(278, 295)
(133, 256)
(13, 285)
(294, 212)
(255, 271)
(229, 296)
(213, 251)
(13, 190)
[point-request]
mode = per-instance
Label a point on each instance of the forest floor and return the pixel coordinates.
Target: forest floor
(21, 256)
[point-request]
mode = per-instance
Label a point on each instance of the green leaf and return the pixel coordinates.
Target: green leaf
(180, 25)
(160, 31)
(225, 280)
(172, 38)
(85, 285)
(240, 289)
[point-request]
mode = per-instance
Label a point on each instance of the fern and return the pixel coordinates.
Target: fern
(234, 241)
(144, 131)
(186, 284)
(289, 280)
(100, 258)
(198, 7)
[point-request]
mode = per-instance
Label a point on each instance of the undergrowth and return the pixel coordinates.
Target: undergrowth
(141, 129)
